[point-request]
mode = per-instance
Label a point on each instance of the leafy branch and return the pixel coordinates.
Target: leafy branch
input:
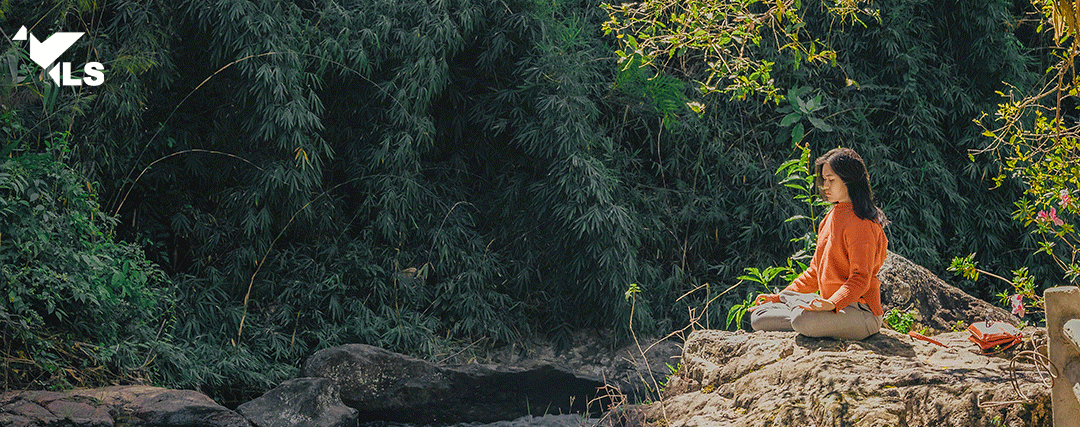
(1038, 142)
(724, 35)
(1024, 295)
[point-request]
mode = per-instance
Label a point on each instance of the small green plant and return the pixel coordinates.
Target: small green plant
(959, 326)
(797, 109)
(900, 321)
(799, 177)
(672, 371)
(762, 278)
(631, 291)
(739, 310)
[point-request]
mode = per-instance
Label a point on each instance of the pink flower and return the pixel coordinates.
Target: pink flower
(1065, 198)
(1051, 217)
(1017, 303)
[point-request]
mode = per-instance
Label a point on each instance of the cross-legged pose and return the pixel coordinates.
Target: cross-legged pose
(839, 294)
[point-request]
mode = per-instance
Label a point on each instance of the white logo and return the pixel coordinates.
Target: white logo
(45, 53)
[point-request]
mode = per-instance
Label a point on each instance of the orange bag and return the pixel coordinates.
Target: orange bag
(994, 336)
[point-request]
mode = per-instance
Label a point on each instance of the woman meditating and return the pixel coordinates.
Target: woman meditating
(851, 247)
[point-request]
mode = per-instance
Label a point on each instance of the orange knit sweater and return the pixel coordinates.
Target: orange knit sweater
(849, 254)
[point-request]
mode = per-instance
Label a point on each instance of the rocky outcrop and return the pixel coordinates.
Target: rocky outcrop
(781, 378)
(120, 405)
(633, 369)
(311, 402)
(906, 285)
(519, 381)
(382, 385)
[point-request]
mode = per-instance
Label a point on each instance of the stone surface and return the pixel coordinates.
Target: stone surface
(311, 402)
(119, 405)
(633, 369)
(382, 385)
(906, 285)
(784, 379)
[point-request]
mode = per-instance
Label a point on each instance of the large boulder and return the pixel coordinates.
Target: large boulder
(308, 402)
(383, 385)
(118, 405)
(906, 286)
(785, 379)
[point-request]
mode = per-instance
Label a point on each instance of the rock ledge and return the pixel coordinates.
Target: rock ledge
(889, 379)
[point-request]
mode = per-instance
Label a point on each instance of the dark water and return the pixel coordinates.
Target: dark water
(526, 421)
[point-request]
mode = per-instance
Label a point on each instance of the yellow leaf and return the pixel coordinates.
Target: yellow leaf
(1057, 21)
(300, 152)
(1068, 16)
(1075, 17)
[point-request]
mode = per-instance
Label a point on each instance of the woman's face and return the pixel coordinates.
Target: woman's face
(832, 186)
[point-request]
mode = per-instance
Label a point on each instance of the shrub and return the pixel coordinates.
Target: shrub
(78, 308)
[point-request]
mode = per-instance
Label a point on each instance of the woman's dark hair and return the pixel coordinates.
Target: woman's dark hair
(849, 166)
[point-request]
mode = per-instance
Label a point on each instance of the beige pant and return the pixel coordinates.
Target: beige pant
(854, 322)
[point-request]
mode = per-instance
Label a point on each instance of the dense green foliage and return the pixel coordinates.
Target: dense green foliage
(426, 175)
(77, 307)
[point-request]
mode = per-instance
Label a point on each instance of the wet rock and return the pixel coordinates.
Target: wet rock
(310, 402)
(383, 385)
(119, 405)
(41, 408)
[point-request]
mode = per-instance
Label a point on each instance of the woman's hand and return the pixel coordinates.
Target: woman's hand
(819, 304)
(764, 299)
